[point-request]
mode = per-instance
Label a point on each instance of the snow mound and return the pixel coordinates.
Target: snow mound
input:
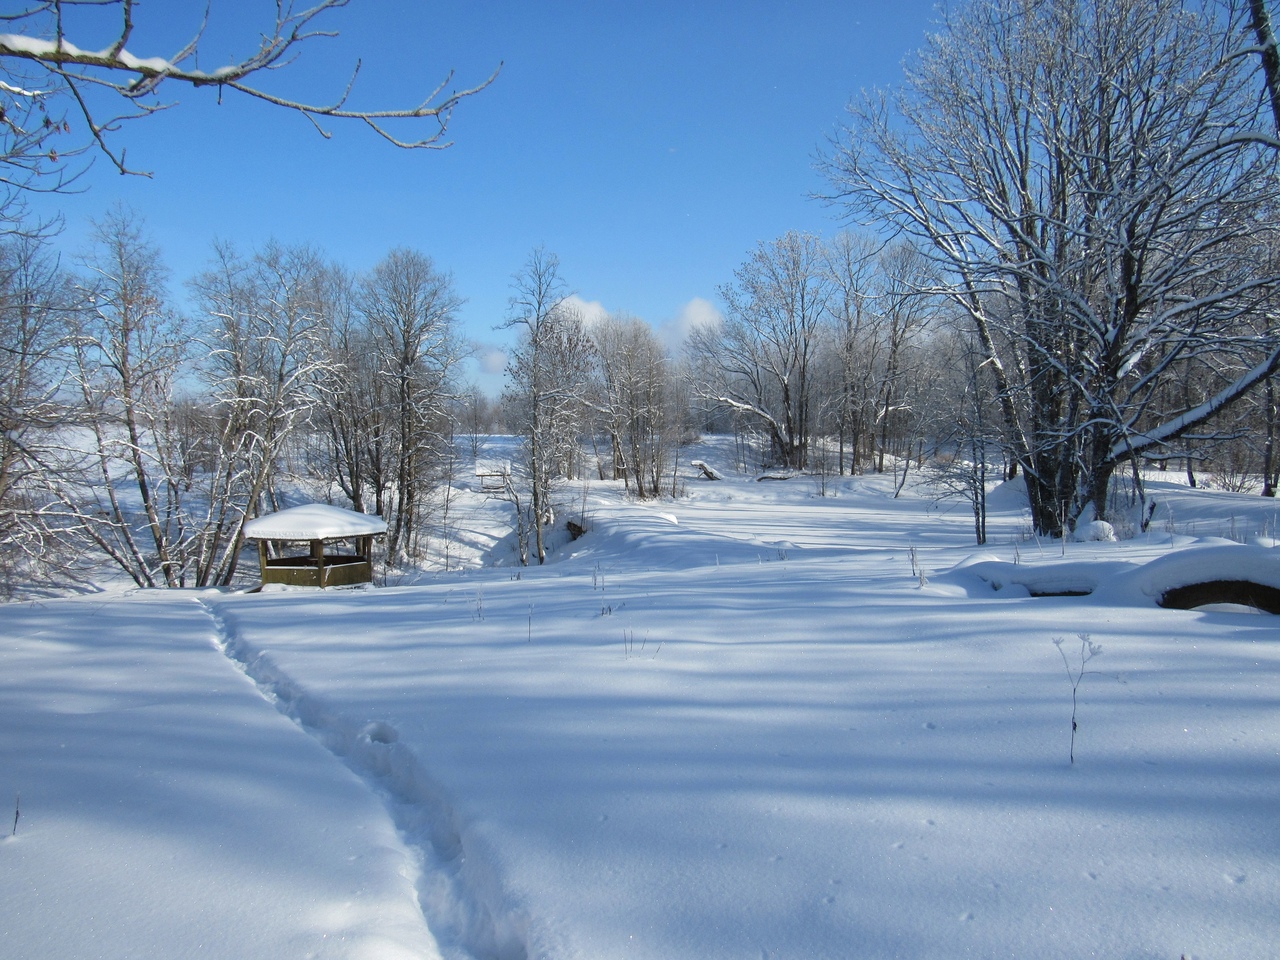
(641, 539)
(1122, 582)
(1011, 495)
(1094, 530)
(985, 574)
(1234, 562)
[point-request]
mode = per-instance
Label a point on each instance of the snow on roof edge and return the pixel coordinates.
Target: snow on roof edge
(314, 521)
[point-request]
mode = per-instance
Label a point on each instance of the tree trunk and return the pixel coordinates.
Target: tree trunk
(1269, 468)
(1261, 23)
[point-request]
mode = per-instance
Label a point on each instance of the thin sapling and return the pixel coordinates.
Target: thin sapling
(1088, 650)
(597, 583)
(917, 568)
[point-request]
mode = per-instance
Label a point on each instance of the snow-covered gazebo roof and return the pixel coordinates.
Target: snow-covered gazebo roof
(314, 521)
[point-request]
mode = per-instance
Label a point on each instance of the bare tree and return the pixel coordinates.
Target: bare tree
(65, 88)
(266, 371)
(760, 359)
(851, 263)
(411, 310)
(35, 306)
(548, 372)
(636, 401)
(904, 306)
(479, 414)
(967, 440)
(128, 352)
(348, 420)
(1089, 178)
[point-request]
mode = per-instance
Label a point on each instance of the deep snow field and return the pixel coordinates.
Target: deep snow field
(739, 724)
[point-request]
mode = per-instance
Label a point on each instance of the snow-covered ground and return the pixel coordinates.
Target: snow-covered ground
(753, 722)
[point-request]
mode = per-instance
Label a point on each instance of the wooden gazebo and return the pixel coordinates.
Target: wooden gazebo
(321, 526)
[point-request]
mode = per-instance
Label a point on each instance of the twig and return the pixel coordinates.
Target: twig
(1088, 650)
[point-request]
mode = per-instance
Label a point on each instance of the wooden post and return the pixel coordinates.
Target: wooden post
(317, 554)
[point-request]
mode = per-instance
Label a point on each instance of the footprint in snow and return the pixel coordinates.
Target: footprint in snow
(378, 732)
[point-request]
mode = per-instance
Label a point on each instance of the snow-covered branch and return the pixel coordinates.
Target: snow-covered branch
(79, 73)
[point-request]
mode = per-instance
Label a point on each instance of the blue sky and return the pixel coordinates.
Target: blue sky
(649, 145)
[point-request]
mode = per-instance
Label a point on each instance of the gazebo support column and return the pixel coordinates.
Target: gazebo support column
(317, 555)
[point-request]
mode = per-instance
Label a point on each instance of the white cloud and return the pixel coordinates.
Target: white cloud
(492, 359)
(695, 314)
(591, 310)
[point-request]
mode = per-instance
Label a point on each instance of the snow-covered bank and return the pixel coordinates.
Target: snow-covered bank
(753, 722)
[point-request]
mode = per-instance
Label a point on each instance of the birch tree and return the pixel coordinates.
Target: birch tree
(548, 372)
(128, 351)
(267, 363)
(35, 308)
(411, 311)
